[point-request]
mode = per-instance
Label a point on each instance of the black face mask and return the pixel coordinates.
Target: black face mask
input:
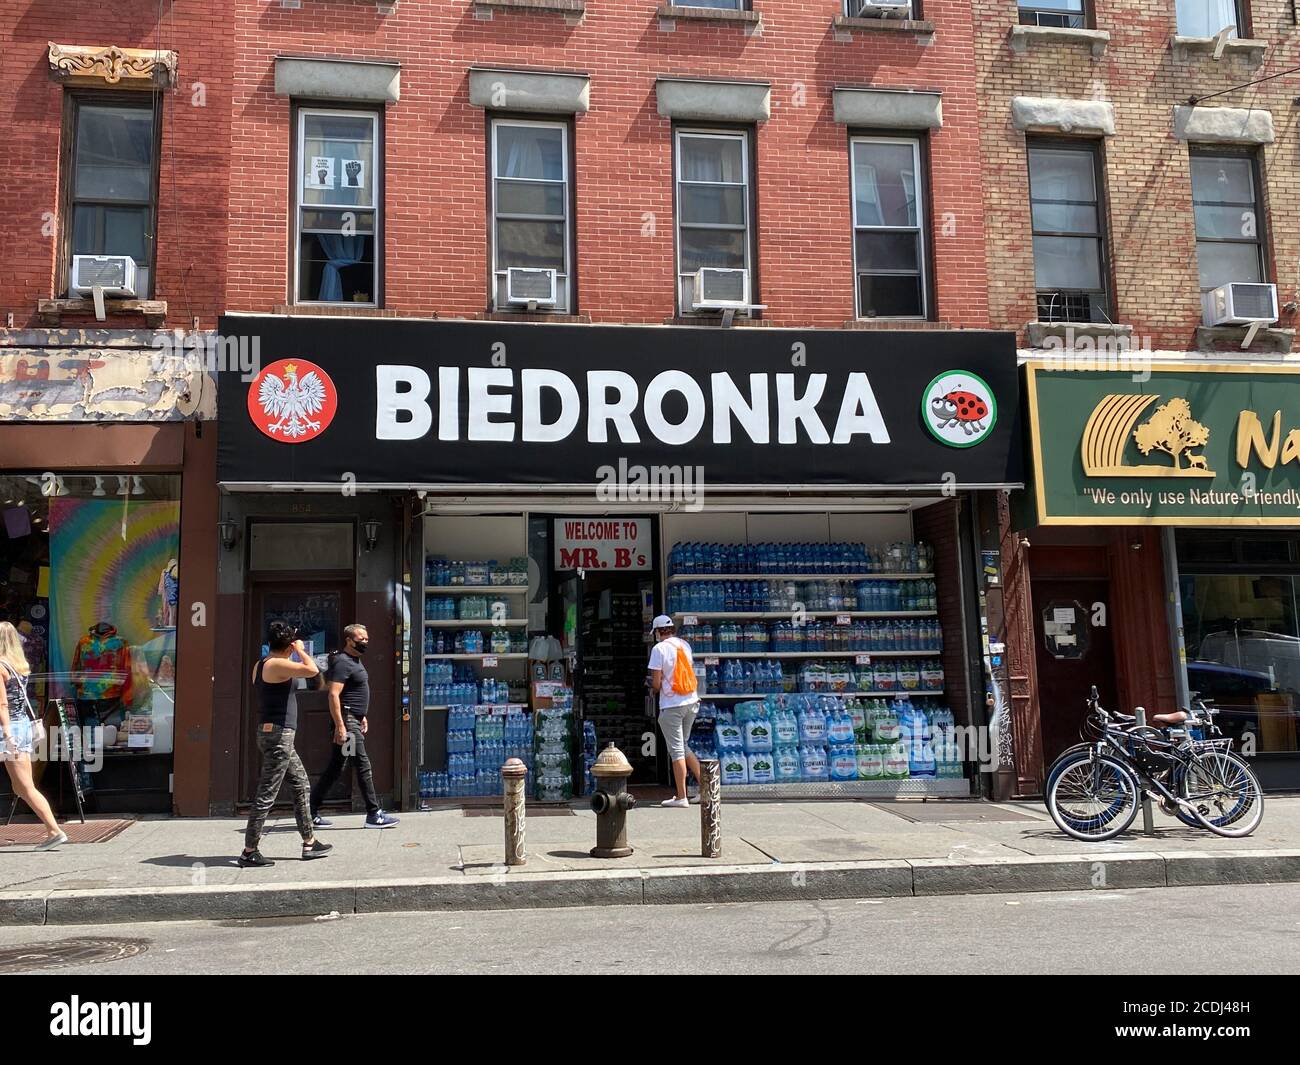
(360, 648)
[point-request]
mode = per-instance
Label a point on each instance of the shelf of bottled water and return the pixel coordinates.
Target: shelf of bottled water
(479, 741)
(783, 598)
(902, 676)
(896, 636)
(898, 560)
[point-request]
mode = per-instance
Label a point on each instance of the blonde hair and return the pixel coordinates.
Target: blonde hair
(11, 649)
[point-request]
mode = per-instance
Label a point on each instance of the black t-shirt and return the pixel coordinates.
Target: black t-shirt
(351, 673)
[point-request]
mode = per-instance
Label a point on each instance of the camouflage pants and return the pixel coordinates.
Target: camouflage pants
(279, 759)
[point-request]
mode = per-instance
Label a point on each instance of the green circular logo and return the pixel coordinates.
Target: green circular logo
(959, 408)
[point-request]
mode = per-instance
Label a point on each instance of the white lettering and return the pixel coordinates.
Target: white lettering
(728, 402)
(790, 410)
(483, 403)
(601, 411)
(859, 413)
(448, 403)
(391, 401)
(687, 387)
(535, 430)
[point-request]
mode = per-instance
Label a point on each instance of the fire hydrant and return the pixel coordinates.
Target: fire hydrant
(611, 803)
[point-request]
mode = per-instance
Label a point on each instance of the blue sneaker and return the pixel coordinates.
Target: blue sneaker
(379, 819)
(321, 822)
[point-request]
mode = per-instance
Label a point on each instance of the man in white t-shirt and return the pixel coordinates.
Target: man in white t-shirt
(677, 709)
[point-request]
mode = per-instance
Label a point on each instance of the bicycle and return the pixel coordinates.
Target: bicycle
(1095, 788)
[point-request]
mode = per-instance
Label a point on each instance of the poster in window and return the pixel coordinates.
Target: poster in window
(354, 174)
(320, 174)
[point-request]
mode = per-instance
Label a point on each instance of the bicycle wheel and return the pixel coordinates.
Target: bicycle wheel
(1093, 798)
(1062, 759)
(1224, 793)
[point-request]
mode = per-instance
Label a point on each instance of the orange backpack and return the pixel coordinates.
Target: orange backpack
(684, 682)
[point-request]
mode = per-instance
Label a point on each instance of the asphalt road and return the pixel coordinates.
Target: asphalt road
(1252, 929)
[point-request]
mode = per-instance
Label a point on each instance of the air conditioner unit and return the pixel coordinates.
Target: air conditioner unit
(1241, 303)
(530, 286)
(880, 8)
(718, 289)
(114, 275)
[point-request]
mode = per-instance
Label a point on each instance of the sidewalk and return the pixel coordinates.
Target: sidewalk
(449, 859)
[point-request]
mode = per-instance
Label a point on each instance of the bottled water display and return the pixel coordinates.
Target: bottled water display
(813, 739)
(824, 559)
(759, 596)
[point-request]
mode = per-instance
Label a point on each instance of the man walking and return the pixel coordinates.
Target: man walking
(349, 695)
(274, 677)
(672, 677)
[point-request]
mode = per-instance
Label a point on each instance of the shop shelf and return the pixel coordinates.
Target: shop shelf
(950, 786)
(812, 654)
(521, 655)
(679, 577)
(477, 589)
(481, 623)
(780, 615)
(911, 694)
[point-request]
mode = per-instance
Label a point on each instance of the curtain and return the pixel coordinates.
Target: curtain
(341, 251)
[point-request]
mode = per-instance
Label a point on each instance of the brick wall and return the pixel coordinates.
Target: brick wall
(192, 204)
(1147, 173)
(436, 247)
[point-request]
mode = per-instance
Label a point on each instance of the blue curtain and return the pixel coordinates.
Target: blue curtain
(341, 251)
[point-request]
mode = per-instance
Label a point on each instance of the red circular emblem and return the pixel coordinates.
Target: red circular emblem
(292, 401)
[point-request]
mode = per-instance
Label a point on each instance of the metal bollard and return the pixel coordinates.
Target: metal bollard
(710, 808)
(513, 775)
(1148, 822)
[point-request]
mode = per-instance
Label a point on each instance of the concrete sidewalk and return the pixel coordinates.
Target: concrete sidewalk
(450, 859)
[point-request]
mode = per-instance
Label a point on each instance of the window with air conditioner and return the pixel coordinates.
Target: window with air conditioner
(111, 188)
(882, 8)
(338, 210)
(532, 238)
(714, 202)
(1068, 232)
(889, 248)
(1229, 235)
(720, 5)
(1060, 14)
(1206, 18)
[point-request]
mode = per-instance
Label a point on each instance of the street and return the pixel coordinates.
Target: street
(1245, 929)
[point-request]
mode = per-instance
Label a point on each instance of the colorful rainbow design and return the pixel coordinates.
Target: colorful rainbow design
(105, 559)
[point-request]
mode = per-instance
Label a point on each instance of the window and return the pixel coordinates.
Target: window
(713, 209)
(338, 212)
(1229, 242)
(112, 189)
(872, 8)
(531, 220)
(888, 228)
(1067, 14)
(1205, 18)
(722, 5)
(1069, 241)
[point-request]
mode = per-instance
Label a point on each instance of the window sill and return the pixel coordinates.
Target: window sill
(714, 319)
(51, 312)
(668, 14)
(342, 310)
(895, 323)
(1065, 335)
(844, 27)
(1227, 338)
(573, 9)
(533, 316)
(1021, 37)
(1184, 48)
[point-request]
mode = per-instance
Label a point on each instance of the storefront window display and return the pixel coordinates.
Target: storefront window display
(92, 581)
(1242, 631)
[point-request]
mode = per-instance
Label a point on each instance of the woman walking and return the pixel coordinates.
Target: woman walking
(18, 725)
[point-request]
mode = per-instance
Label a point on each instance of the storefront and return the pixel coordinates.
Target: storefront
(803, 502)
(93, 555)
(1171, 501)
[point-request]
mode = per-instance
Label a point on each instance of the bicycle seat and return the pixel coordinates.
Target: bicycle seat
(1165, 720)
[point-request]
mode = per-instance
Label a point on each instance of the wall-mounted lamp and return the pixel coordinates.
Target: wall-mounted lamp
(371, 529)
(229, 533)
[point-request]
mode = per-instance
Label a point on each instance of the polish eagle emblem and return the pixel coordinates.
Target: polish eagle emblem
(292, 401)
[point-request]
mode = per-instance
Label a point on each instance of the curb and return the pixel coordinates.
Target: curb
(779, 882)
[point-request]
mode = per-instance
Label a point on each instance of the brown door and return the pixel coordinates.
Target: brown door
(319, 609)
(1074, 652)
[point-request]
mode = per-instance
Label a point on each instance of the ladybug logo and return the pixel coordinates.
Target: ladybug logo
(959, 408)
(292, 401)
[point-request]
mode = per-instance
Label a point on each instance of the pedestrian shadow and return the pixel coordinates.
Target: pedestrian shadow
(188, 861)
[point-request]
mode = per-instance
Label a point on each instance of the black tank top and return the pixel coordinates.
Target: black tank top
(276, 702)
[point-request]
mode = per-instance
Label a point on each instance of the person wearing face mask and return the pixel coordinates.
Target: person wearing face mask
(349, 695)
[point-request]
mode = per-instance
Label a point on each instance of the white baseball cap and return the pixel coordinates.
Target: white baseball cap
(663, 621)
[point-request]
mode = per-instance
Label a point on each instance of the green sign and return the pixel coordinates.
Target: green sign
(1212, 444)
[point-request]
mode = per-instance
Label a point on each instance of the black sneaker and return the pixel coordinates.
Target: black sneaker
(321, 822)
(316, 850)
(254, 858)
(379, 819)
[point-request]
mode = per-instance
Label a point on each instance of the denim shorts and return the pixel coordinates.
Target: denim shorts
(20, 732)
